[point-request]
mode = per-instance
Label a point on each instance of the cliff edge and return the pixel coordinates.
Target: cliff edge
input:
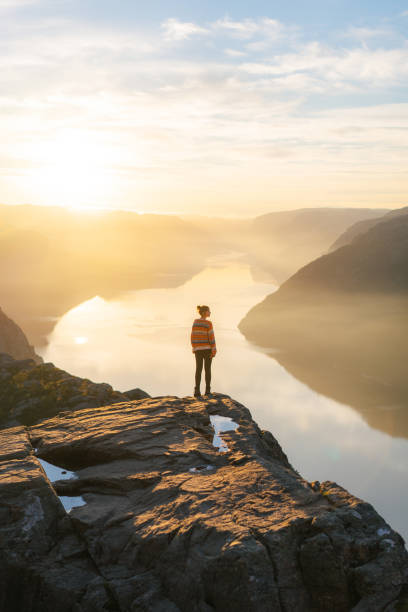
(180, 504)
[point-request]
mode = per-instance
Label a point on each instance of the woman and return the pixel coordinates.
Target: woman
(204, 349)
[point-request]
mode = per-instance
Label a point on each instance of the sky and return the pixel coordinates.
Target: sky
(217, 108)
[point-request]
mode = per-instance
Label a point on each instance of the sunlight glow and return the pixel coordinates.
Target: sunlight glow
(72, 169)
(81, 340)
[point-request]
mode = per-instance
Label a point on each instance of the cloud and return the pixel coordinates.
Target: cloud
(149, 106)
(15, 4)
(175, 30)
(349, 68)
(363, 35)
(235, 53)
(240, 29)
(248, 27)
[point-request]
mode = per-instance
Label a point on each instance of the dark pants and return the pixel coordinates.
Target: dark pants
(204, 355)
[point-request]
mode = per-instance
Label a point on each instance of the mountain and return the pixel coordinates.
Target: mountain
(376, 261)
(282, 242)
(13, 340)
(277, 244)
(175, 504)
(363, 226)
(340, 325)
(53, 259)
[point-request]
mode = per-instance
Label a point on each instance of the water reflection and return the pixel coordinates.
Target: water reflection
(381, 400)
(142, 339)
(351, 348)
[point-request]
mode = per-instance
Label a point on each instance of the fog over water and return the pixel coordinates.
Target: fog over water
(141, 339)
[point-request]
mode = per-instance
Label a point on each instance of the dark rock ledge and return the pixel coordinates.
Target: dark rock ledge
(171, 524)
(13, 341)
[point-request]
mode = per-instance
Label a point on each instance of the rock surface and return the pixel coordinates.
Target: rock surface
(30, 392)
(136, 394)
(172, 524)
(13, 340)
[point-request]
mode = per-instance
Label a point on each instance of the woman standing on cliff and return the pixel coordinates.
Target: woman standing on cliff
(204, 349)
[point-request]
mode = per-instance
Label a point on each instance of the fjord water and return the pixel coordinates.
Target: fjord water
(141, 339)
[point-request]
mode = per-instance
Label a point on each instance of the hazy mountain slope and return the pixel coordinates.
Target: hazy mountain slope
(374, 265)
(340, 325)
(52, 259)
(363, 226)
(279, 243)
(282, 242)
(375, 261)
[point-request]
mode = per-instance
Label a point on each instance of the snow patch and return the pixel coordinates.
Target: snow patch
(220, 424)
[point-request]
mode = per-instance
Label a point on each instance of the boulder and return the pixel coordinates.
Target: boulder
(136, 394)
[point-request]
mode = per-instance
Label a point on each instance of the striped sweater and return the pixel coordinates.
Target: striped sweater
(202, 335)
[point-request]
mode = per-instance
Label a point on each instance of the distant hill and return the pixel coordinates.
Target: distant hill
(282, 242)
(52, 259)
(373, 266)
(363, 226)
(376, 261)
(279, 243)
(340, 324)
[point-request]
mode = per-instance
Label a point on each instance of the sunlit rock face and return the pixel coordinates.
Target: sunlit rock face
(13, 340)
(173, 514)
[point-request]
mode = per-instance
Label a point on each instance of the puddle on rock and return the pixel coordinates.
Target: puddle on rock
(201, 468)
(220, 424)
(71, 502)
(54, 472)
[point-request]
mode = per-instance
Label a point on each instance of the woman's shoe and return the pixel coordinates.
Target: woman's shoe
(207, 392)
(197, 393)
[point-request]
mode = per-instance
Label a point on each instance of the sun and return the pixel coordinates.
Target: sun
(74, 169)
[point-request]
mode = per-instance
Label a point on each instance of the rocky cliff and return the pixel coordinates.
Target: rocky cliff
(30, 392)
(13, 340)
(178, 504)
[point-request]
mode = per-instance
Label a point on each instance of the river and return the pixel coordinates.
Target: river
(141, 339)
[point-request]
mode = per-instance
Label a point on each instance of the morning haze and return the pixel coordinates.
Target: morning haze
(222, 185)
